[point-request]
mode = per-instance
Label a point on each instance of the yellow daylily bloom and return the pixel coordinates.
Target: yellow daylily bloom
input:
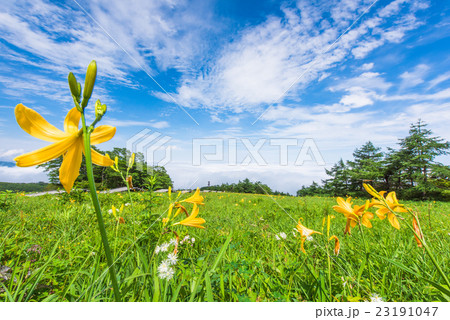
(192, 220)
(305, 233)
(371, 190)
(337, 245)
(386, 206)
(68, 143)
(354, 214)
(196, 198)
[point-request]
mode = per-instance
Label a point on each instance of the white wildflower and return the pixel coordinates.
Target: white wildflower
(173, 242)
(192, 240)
(127, 204)
(186, 238)
(283, 235)
(163, 267)
(309, 238)
(169, 274)
(172, 259)
(110, 211)
(164, 247)
(157, 249)
(277, 237)
(375, 298)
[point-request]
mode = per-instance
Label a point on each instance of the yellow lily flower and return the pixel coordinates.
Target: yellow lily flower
(68, 143)
(305, 233)
(196, 198)
(389, 204)
(371, 190)
(337, 246)
(354, 214)
(192, 220)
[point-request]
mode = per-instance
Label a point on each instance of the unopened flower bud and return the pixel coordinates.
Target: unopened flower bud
(89, 82)
(131, 161)
(74, 88)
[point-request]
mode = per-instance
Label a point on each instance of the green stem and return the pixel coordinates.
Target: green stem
(329, 273)
(95, 202)
(131, 201)
(366, 249)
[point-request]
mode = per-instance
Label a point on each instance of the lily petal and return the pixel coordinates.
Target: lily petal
(102, 134)
(99, 159)
(70, 167)
(72, 120)
(45, 154)
(394, 221)
(34, 124)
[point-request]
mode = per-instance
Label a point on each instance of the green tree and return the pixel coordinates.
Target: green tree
(366, 166)
(338, 184)
(107, 178)
(418, 151)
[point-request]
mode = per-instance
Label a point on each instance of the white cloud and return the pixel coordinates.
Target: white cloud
(133, 123)
(10, 153)
(264, 61)
(439, 79)
(367, 66)
(281, 178)
(414, 77)
(18, 174)
(164, 34)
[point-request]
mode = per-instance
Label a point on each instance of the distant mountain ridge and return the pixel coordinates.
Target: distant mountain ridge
(7, 164)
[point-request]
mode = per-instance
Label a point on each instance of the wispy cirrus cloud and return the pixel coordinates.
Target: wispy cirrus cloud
(265, 60)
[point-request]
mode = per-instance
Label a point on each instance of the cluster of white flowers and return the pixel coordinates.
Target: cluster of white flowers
(165, 246)
(281, 235)
(165, 271)
(188, 240)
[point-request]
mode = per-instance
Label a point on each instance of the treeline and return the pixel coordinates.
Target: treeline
(106, 178)
(410, 170)
(245, 186)
(24, 187)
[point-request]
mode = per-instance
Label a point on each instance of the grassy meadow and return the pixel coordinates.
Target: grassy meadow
(50, 250)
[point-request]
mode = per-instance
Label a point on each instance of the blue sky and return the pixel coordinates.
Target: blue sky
(337, 72)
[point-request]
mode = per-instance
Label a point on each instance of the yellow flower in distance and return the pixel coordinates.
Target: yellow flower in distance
(192, 220)
(386, 206)
(68, 143)
(196, 198)
(305, 233)
(354, 214)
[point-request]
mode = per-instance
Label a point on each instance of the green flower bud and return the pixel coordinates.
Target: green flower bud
(131, 161)
(73, 85)
(89, 82)
(100, 109)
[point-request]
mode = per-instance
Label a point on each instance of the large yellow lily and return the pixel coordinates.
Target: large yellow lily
(68, 143)
(192, 220)
(388, 206)
(354, 214)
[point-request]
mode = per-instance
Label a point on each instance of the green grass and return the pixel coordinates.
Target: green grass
(236, 258)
